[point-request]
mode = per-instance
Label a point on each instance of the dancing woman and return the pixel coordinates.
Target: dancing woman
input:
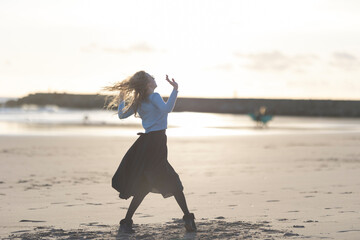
(145, 167)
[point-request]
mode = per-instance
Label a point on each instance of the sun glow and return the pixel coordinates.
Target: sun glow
(213, 48)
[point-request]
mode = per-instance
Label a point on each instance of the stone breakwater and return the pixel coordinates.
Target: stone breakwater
(285, 107)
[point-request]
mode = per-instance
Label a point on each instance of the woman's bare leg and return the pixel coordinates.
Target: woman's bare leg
(135, 203)
(180, 199)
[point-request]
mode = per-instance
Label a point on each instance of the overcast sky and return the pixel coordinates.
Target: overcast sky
(247, 49)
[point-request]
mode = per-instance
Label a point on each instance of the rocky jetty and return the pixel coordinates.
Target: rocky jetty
(83, 101)
(285, 107)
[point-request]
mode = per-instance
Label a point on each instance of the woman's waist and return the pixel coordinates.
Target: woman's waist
(150, 132)
(154, 126)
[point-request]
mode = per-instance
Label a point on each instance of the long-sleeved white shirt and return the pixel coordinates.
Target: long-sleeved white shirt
(153, 111)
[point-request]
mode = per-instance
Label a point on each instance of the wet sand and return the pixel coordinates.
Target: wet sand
(239, 187)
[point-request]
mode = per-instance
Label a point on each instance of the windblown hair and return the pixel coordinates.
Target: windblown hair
(133, 90)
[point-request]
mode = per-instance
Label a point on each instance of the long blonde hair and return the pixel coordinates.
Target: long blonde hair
(133, 90)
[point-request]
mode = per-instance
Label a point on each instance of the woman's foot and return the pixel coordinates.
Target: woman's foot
(126, 226)
(189, 222)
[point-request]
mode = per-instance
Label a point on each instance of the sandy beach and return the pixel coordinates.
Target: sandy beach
(279, 186)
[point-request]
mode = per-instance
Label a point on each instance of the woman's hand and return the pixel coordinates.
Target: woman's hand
(172, 82)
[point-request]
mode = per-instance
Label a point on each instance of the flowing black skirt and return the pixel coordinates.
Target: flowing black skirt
(145, 168)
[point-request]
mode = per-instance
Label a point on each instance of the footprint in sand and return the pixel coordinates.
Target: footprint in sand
(94, 203)
(58, 202)
(265, 222)
(145, 216)
(25, 220)
(91, 224)
(4, 150)
(37, 208)
(310, 221)
(291, 234)
(282, 219)
(352, 230)
(298, 226)
(21, 231)
(23, 181)
(71, 205)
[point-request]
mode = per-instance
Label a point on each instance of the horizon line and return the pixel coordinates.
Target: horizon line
(264, 98)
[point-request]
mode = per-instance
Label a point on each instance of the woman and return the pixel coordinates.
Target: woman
(145, 167)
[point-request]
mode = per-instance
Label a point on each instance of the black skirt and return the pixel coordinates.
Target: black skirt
(145, 168)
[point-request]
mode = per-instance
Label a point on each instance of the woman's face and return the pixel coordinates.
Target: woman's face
(151, 84)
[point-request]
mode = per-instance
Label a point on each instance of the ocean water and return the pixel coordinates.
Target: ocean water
(51, 120)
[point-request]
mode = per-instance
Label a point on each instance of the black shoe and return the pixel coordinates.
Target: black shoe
(126, 226)
(189, 222)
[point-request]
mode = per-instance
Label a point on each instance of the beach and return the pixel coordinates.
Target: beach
(260, 102)
(271, 186)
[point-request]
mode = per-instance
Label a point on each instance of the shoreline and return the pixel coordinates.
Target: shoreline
(25, 129)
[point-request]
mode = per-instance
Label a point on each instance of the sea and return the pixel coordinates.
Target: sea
(52, 120)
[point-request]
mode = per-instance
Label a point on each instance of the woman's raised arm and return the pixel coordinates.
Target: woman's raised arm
(160, 104)
(121, 107)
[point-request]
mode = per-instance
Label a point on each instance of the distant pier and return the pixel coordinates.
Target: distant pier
(284, 107)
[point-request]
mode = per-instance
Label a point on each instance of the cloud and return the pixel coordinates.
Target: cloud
(141, 47)
(136, 48)
(277, 61)
(224, 67)
(345, 61)
(90, 48)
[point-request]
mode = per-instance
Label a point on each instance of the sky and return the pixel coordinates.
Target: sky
(298, 49)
